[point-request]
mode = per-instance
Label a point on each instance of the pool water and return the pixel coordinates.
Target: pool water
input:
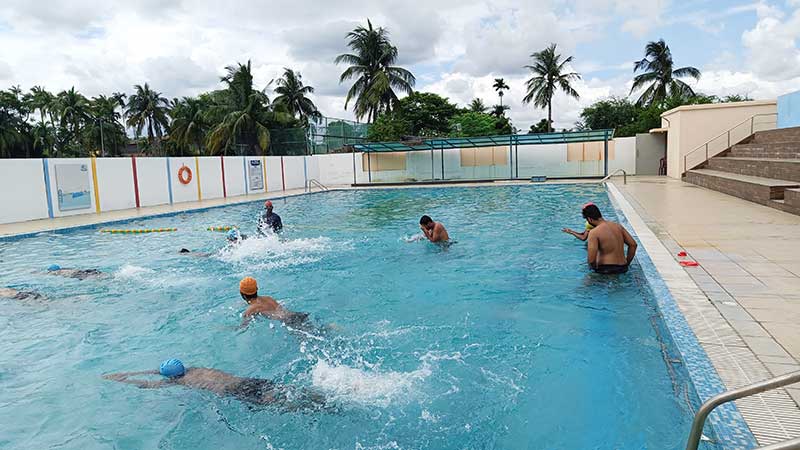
(503, 340)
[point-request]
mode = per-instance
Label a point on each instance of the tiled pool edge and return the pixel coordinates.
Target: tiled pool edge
(665, 277)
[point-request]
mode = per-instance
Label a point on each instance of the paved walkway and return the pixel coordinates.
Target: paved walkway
(749, 270)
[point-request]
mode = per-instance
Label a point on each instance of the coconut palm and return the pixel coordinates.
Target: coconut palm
(371, 64)
(659, 76)
(292, 94)
(189, 125)
(500, 86)
(106, 131)
(72, 111)
(147, 108)
(476, 105)
(549, 76)
(243, 115)
(42, 100)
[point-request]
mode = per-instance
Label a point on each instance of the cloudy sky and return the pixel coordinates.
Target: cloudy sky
(454, 47)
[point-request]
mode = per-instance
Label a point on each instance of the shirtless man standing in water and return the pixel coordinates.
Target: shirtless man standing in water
(606, 244)
(434, 231)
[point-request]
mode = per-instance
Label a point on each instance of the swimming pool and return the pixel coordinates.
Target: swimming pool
(503, 340)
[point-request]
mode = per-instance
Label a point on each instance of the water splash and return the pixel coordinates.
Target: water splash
(270, 251)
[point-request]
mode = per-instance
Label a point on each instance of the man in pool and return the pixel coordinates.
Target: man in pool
(16, 294)
(258, 391)
(434, 231)
(269, 220)
(235, 236)
(266, 306)
(606, 246)
(79, 274)
(585, 234)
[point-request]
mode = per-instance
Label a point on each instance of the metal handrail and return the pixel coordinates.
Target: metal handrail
(317, 184)
(735, 394)
(728, 132)
(624, 176)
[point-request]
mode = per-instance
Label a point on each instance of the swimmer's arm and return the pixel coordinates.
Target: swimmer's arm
(144, 384)
(631, 243)
(247, 317)
(582, 236)
(591, 254)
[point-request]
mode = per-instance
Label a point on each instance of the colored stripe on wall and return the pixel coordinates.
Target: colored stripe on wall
(222, 164)
(244, 168)
(169, 181)
(96, 189)
(305, 172)
(283, 175)
(264, 166)
(47, 188)
(135, 181)
(197, 169)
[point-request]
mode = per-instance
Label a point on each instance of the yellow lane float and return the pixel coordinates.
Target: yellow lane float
(222, 228)
(140, 231)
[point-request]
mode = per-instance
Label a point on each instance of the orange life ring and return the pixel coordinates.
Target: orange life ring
(185, 175)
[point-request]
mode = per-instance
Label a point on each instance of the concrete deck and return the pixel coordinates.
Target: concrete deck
(749, 272)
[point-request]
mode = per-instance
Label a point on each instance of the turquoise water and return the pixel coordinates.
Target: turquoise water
(504, 340)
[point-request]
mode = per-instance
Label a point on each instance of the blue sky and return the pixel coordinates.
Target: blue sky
(455, 47)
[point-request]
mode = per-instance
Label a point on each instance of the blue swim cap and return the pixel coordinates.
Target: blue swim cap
(53, 267)
(233, 235)
(172, 368)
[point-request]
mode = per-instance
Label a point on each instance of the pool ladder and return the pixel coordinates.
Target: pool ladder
(312, 182)
(756, 388)
(624, 176)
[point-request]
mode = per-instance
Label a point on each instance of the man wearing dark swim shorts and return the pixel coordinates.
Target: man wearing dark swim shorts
(606, 244)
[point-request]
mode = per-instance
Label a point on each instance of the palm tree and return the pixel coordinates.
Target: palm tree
(292, 94)
(548, 77)
(39, 98)
(499, 86)
(72, 109)
(243, 115)
(499, 110)
(189, 125)
(376, 76)
(147, 108)
(106, 127)
(476, 105)
(658, 73)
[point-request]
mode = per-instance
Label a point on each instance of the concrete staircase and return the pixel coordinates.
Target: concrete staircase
(764, 168)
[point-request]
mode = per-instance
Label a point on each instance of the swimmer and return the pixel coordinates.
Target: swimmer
(266, 306)
(269, 220)
(16, 294)
(607, 242)
(235, 236)
(187, 252)
(79, 274)
(585, 234)
(434, 231)
(257, 391)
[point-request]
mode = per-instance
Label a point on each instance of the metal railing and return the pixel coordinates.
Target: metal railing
(624, 176)
(728, 138)
(316, 183)
(735, 394)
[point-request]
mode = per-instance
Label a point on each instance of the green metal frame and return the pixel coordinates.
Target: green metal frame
(486, 141)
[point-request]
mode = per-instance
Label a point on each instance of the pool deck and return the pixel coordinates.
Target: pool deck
(743, 300)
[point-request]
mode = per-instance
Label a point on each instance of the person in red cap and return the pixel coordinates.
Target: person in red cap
(585, 233)
(266, 306)
(269, 220)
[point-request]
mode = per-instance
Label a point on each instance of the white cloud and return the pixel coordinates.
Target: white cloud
(772, 44)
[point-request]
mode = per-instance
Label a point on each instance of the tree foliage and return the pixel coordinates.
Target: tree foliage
(659, 80)
(549, 76)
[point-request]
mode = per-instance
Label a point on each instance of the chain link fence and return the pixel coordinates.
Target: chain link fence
(328, 135)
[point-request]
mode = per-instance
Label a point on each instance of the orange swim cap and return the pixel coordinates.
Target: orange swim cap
(248, 286)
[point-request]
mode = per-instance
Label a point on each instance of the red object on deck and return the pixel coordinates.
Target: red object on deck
(689, 263)
(681, 254)
(135, 181)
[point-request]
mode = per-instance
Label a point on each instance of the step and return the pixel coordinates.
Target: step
(756, 189)
(781, 169)
(792, 197)
(778, 150)
(784, 206)
(777, 135)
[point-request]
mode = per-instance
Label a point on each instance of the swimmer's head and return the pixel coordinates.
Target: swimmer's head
(591, 213)
(184, 250)
(53, 267)
(172, 368)
(248, 287)
(234, 235)
(268, 205)
(426, 222)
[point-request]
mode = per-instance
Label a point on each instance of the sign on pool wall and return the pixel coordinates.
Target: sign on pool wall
(256, 175)
(73, 185)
